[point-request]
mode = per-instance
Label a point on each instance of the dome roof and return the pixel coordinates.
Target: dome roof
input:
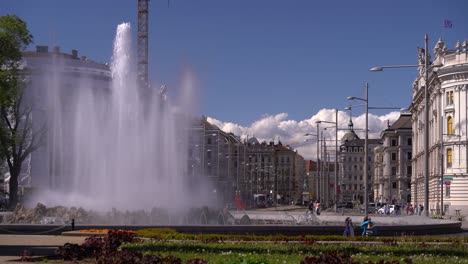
(350, 135)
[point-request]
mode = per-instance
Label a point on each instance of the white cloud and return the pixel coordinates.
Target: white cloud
(291, 132)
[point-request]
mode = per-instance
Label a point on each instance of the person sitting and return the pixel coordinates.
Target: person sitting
(367, 227)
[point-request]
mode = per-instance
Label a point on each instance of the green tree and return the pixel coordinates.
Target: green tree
(17, 138)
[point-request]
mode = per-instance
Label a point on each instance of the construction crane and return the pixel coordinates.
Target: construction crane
(142, 59)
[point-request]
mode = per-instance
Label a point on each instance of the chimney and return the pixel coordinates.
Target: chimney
(44, 49)
(75, 54)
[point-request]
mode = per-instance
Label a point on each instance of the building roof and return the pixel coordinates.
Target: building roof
(404, 122)
(350, 135)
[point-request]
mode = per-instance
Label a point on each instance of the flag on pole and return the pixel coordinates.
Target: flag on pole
(447, 23)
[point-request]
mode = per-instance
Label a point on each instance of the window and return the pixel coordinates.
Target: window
(409, 170)
(360, 159)
(208, 141)
(393, 143)
(355, 186)
(449, 125)
(449, 158)
(393, 171)
(393, 155)
(410, 141)
(410, 155)
(394, 185)
(360, 177)
(449, 97)
(447, 191)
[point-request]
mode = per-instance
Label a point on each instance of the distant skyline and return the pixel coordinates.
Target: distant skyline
(266, 68)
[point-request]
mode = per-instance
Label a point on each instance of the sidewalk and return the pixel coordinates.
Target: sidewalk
(11, 246)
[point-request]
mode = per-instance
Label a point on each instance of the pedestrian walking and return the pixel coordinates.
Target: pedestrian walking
(349, 227)
(317, 208)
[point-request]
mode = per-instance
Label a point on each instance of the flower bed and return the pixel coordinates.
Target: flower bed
(168, 246)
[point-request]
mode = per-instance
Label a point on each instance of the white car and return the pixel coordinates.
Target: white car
(390, 207)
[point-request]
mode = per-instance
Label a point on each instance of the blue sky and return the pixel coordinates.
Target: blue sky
(259, 58)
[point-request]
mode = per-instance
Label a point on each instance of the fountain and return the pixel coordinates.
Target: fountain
(120, 146)
(120, 152)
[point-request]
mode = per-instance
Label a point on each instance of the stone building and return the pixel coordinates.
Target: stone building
(448, 126)
(392, 162)
(352, 166)
(240, 168)
(45, 71)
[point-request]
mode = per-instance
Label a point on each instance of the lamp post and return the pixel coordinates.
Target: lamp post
(336, 156)
(366, 143)
(426, 116)
(317, 189)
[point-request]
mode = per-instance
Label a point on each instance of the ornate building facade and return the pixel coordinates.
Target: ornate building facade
(352, 166)
(448, 126)
(392, 166)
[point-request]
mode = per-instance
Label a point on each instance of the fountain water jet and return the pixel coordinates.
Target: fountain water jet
(118, 147)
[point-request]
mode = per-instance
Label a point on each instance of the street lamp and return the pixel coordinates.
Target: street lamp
(366, 198)
(426, 116)
(336, 156)
(317, 189)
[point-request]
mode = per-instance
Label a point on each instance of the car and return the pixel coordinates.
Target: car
(391, 209)
(349, 205)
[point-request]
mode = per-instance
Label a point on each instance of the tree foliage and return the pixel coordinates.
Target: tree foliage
(17, 138)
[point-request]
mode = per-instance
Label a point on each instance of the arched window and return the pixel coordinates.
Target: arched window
(449, 125)
(449, 158)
